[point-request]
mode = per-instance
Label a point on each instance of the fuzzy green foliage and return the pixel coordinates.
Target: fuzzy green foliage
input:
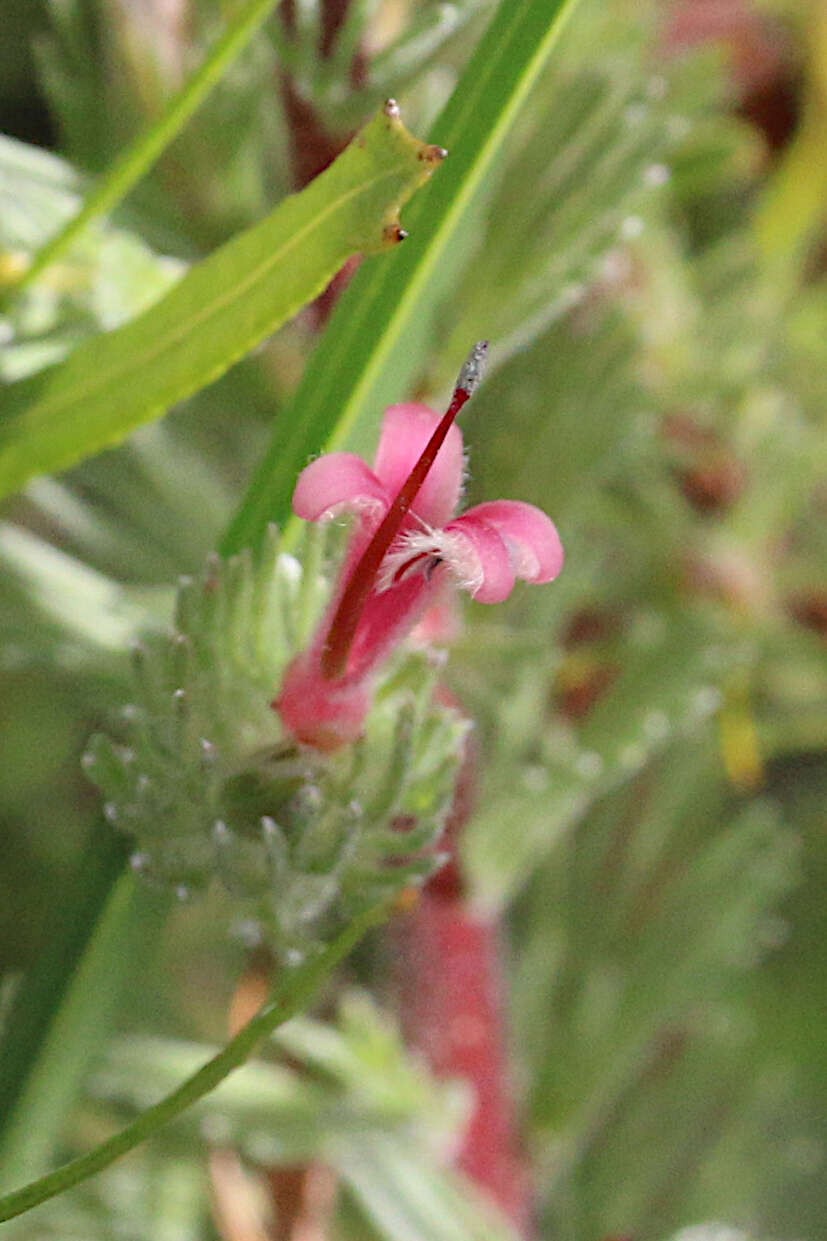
(649, 817)
(653, 924)
(207, 785)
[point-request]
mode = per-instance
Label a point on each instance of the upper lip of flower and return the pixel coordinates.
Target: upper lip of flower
(341, 482)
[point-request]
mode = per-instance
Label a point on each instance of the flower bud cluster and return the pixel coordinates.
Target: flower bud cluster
(203, 777)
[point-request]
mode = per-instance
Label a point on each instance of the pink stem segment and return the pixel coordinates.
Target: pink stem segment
(448, 968)
(449, 972)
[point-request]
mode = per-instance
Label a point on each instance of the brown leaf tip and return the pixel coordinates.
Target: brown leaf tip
(393, 234)
(433, 154)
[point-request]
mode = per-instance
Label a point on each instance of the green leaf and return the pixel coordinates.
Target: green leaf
(219, 311)
(369, 353)
(406, 1199)
(110, 276)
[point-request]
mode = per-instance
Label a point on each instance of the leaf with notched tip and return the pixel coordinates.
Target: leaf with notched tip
(221, 309)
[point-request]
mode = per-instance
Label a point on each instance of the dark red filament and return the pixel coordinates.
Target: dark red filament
(426, 561)
(351, 605)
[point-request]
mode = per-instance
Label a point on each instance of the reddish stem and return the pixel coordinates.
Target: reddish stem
(450, 973)
(451, 993)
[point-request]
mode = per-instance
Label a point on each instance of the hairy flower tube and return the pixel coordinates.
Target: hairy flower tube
(406, 547)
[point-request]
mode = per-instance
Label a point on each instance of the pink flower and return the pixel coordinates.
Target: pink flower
(405, 546)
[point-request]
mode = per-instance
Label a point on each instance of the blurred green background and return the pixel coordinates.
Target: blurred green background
(648, 262)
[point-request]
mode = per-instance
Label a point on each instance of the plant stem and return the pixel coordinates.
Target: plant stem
(137, 159)
(296, 987)
(44, 986)
(89, 996)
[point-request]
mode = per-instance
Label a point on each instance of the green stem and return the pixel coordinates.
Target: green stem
(89, 997)
(368, 353)
(44, 986)
(296, 987)
(131, 165)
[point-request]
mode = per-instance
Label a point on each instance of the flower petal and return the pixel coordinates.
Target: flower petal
(530, 536)
(321, 713)
(339, 482)
(386, 620)
(478, 558)
(405, 432)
